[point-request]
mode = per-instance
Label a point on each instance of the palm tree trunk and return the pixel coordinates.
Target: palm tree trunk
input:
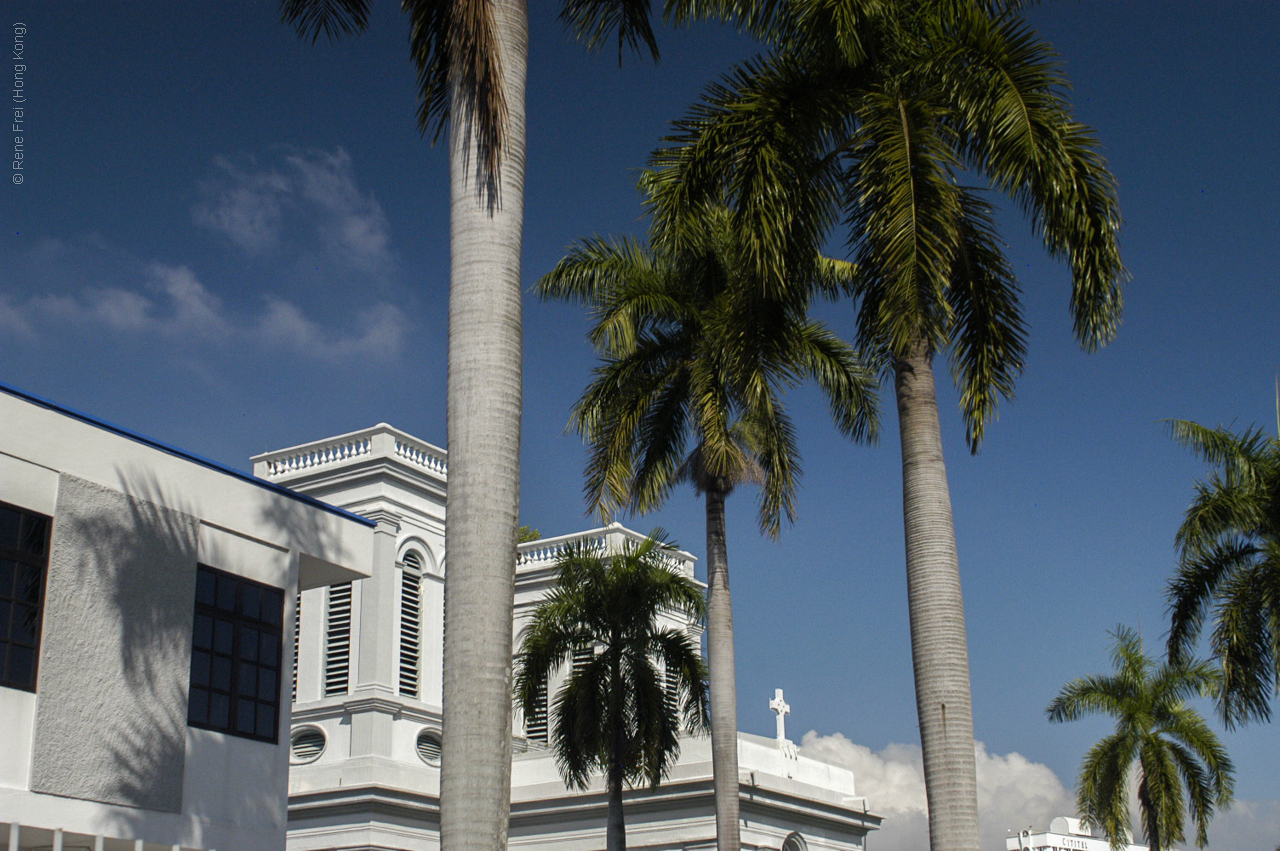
(939, 648)
(616, 828)
(722, 683)
(484, 455)
(1150, 816)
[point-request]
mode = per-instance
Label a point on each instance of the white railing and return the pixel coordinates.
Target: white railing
(310, 457)
(422, 454)
(612, 538)
(380, 441)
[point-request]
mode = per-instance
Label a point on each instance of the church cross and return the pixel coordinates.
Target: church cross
(779, 706)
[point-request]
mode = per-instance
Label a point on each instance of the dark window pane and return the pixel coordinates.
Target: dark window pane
(247, 680)
(202, 633)
(35, 531)
(272, 605)
(226, 593)
(198, 711)
(219, 711)
(267, 684)
(201, 667)
(236, 650)
(206, 584)
(251, 601)
(223, 632)
(248, 648)
(24, 624)
(27, 588)
(245, 716)
(269, 650)
(10, 522)
(22, 665)
(7, 571)
(266, 721)
(221, 674)
(6, 609)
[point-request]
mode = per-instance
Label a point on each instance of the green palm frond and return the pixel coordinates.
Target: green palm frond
(988, 335)
(1229, 566)
(1179, 760)
(332, 18)
(613, 602)
(594, 22)
(694, 350)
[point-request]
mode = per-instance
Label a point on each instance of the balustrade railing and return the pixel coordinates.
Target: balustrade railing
(381, 440)
(545, 552)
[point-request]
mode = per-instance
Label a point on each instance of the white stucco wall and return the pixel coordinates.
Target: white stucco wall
(95, 754)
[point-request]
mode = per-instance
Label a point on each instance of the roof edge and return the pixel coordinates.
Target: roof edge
(175, 451)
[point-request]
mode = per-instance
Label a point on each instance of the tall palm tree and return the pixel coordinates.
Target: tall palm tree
(1229, 545)
(471, 62)
(616, 712)
(691, 352)
(874, 113)
(1177, 759)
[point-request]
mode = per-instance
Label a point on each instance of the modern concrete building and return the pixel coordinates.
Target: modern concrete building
(145, 602)
(367, 685)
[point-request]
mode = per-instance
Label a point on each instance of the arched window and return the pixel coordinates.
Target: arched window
(794, 842)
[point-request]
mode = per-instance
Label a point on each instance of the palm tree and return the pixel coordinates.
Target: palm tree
(471, 62)
(622, 710)
(1176, 758)
(1229, 545)
(690, 351)
(874, 113)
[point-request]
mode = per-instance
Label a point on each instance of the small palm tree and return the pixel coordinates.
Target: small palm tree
(621, 711)
(1177, 759)
(694, 351)
(1230, 565)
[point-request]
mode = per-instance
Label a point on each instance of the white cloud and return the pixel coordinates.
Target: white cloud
(173, 305)
(1013, 792)
(379, 332)
(242, 205)
(314, 192)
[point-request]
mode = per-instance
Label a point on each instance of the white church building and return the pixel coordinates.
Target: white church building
(149, 735)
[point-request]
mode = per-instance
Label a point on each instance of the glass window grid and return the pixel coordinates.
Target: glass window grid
(236, 656)
(24, 565)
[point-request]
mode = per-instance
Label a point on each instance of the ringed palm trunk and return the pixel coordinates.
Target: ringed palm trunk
(484, 388)
(939, 648)
(615, 828)
(721, 680)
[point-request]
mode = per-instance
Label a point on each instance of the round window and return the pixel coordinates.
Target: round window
(429, 747)
(306, 744)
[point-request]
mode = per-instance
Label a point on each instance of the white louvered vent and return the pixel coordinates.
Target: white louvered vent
(535, 724)
(337, 649)
(297, 640)
(410, 623)
(306, 744)
(671, 696)
(429, 747)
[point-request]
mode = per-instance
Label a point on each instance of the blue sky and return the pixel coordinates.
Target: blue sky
(236, 241)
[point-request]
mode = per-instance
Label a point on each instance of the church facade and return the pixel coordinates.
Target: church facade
(365, 739)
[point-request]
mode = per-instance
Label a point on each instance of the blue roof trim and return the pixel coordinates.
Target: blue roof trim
(185, 455)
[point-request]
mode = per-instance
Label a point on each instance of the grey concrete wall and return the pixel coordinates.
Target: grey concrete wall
(111, 711)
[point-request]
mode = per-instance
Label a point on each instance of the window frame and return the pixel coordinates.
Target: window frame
(241, 623)
(10, 598)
